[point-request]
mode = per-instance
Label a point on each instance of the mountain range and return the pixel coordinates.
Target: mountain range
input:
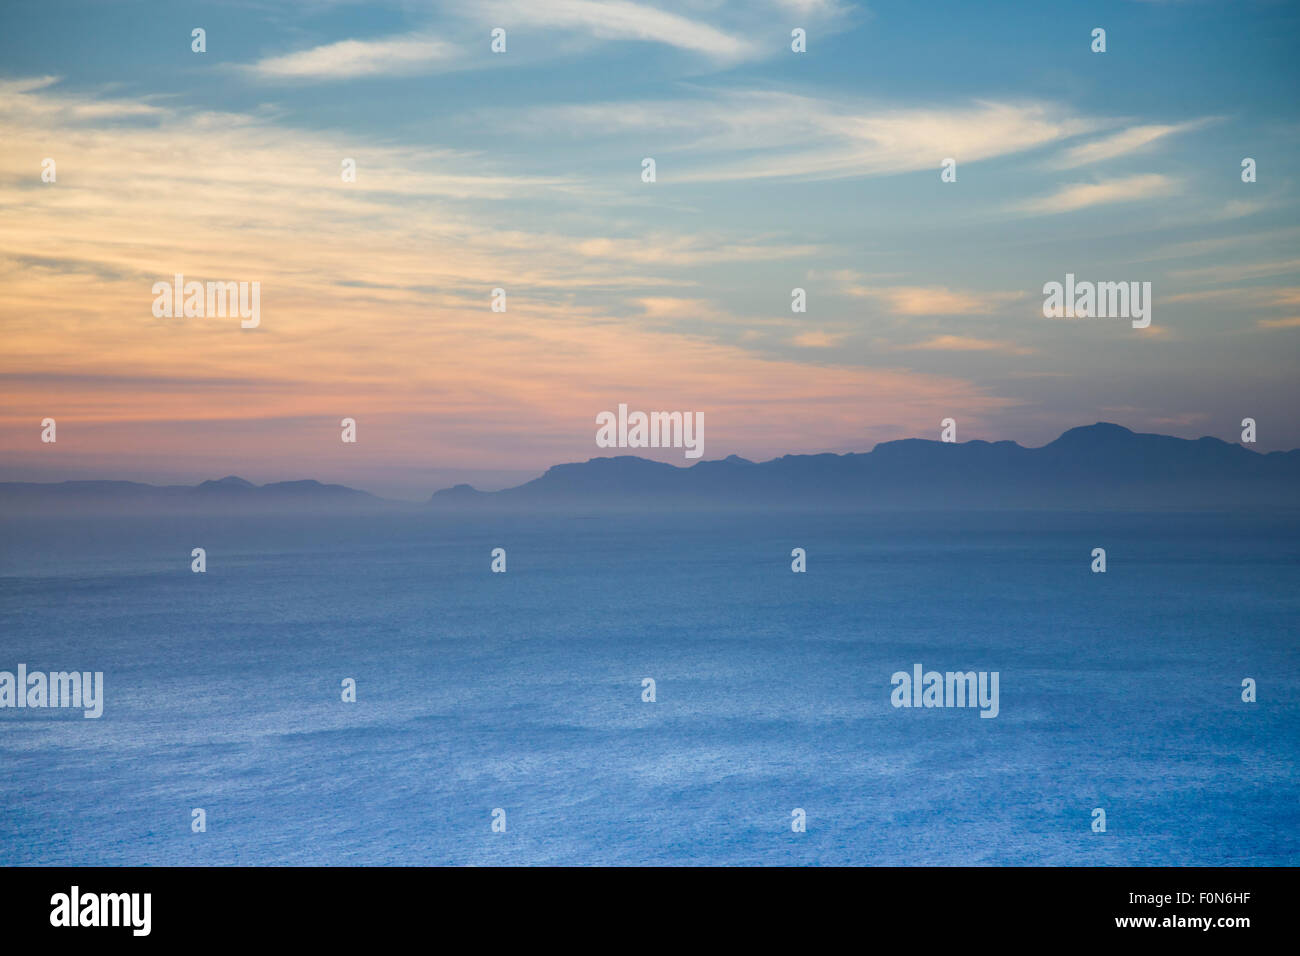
(225, 494)
(1096, 467)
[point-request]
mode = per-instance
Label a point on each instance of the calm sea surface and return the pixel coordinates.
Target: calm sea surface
(523, 690)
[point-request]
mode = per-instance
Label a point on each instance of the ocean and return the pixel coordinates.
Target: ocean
(523, 691)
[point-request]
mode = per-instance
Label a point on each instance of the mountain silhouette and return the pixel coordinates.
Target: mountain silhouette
(1095, 467)
(1101, 466)
(231, 493)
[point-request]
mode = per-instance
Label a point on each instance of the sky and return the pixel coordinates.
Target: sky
(523, 170)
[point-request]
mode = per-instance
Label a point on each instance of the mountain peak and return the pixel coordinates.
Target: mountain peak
(461, 491)
(1100, 433)
(230, 481)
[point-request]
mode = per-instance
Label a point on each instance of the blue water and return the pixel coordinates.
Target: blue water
(523, 690)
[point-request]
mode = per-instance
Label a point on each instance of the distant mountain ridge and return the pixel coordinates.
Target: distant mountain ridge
(225, 494)
(1094, 467)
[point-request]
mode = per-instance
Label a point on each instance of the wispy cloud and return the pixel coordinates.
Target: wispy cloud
(677, 250)
(29, 100)
(1183, 418)
(563, 27)
(964, 343)
(1222, 245)
(624, 20)
(1239, 272)
(816, 340)
(1122, 143)
(348, 59)
(1084, 195)
(935, 300)
(1250, 297)
(760, 134)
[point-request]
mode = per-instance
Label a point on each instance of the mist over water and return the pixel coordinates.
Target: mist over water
(523, 690)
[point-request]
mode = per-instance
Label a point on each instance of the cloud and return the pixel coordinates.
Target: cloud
(27, 84)
(28, 100)
(1120, 144)
(624, 20)
(1238, 272)
(462, 28)
(774, 135)
(353, 58)
(1210, 295)
(1239, 209)
(811, 7)
(675, 250)
(963, 343)
(1183, 418)
(1084, 195)
(1253, 297)
(1219, 246)
(816, 340)
(1290, 322)
(936, 300)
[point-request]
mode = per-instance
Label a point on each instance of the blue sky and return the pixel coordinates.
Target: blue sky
(775, 170)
